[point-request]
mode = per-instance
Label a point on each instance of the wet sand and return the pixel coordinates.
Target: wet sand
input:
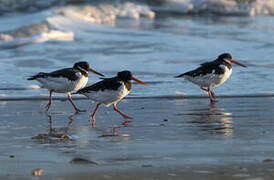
(169, 138)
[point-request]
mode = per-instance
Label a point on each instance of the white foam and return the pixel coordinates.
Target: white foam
(55, 35)
(265, 7)
(180, 93)
(35, 33)
(106, 13)
(224, 7)
(33, 87)
(62, 23)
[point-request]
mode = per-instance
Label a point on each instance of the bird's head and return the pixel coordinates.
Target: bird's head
(127, 76)
(83, 67)
(227, 58)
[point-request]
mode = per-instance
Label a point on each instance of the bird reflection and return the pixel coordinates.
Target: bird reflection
(115, 130)
(60, 133)
(214, 120)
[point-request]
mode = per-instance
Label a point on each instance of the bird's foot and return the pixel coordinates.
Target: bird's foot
(91, 121)
(126, 116)
(213, 100)
(126, 122)
(47, 107)
(79, 110)
(212, 94)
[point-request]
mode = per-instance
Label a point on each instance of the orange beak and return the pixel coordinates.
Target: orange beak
(138, 81)
(91, 70)
(236, 62)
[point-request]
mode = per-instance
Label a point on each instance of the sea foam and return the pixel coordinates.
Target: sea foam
(107, 13)
(61, 22)
(221, 7)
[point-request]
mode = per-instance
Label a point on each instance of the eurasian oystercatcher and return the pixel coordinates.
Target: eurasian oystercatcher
(211, 74)
(65, 80)
(110, 91)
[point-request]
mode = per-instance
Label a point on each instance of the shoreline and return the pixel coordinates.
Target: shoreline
(167, 139)
(179, 96)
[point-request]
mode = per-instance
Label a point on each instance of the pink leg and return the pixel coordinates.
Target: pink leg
(50, 100)
(76, 109)
(93, 115)
(212, 96)
(210, 93)
(122, 114)
(205, 89)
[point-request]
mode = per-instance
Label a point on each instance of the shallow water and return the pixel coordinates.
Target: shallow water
(154, 41)
(164, 133)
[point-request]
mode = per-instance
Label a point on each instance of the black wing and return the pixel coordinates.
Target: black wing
(205, 68)
(109, 83)
(68, 73)
(39, 75)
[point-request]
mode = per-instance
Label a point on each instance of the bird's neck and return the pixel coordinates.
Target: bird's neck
(128, 85)
(227, 64)
(83, 72)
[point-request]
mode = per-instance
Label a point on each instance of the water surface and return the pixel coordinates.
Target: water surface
(156, 41)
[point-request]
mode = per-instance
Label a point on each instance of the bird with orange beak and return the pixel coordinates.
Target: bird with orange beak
(211, 74)
(110, 91)
(65, 80)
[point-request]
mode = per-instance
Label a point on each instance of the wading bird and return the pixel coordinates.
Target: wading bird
(211, 74)
(65, 81)
(110, 91)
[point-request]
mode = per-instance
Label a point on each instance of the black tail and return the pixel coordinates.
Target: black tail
(39, 75)
(78, 92)
(181, 75)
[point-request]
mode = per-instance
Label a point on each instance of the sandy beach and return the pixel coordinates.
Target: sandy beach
(169, 138)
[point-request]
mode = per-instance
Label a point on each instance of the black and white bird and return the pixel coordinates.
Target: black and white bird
(110, 91)
(211, 74)
(65, 80)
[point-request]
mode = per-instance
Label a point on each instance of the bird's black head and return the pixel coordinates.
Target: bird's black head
(124, 75)
(82, 66)
(227, 59)
(127, 76)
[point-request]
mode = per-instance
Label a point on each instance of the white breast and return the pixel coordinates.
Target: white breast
(108, 97)
(211, 80)
(63, 85)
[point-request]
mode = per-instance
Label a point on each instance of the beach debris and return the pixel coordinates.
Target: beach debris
(240, 175)
(165, 120)
(54, 135)
(37, 172)
(268, 160)
(125, 123)
(78, 160)
(11, 156)
(114, 135)
(243, 169)
(108, 135)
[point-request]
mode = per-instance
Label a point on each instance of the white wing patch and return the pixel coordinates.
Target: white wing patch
(108, 97)
(63, 85)
(212, 79)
